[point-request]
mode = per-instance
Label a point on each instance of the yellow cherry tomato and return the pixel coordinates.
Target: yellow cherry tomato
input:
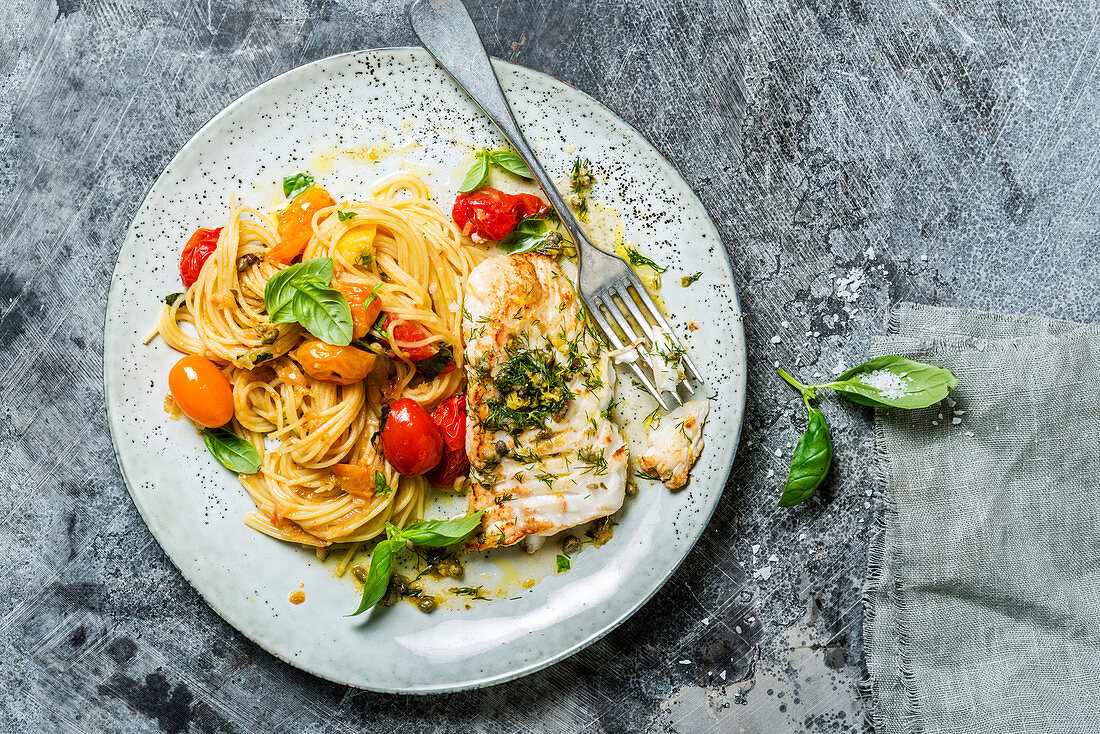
(201, 391)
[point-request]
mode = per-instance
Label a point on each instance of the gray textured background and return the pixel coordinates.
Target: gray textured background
(945, 153)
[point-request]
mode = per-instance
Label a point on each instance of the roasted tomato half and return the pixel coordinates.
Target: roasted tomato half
(491, 214)
(296, 224)
(450, 416)
(196, 252)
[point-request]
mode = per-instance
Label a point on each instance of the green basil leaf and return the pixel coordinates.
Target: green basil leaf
(381, 486)
(171, 298)
(296, 184)
(895, 382)
(323, 311)
(280, 290)
(509, 161)
(345, 216)
(433, 366)
(531, 234)
(810, 462)
(561, 564)
(475, 177)
(438, 533)
(231, 450)
(378, 577)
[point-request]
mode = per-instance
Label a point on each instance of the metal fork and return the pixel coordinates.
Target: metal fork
(604, 280)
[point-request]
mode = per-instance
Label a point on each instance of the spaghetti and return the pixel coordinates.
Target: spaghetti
(315, 435)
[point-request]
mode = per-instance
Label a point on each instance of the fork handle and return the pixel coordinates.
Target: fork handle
(448, 32)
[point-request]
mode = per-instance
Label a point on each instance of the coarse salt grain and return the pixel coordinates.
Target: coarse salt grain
(776, 339)
(887, 383)
(685, 662)
(765, 572)
(755, 548)
(773, 558)
(779, 453)
(970, 434)
(771, 473)
(956, 421)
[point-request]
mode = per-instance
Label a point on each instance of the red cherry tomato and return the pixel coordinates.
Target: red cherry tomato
(196, 252)
(492, 214)
(410, 441)
(408, 332)
(201, 391)
(450, 416)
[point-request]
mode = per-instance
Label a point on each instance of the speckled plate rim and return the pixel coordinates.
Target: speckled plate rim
(740, 357)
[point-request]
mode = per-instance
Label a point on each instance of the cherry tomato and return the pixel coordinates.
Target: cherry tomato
(408, 332)
(201, 391)
(296, 224)
(355, 480)
(342, 365)
(410, 441)
(362, 317)
(450, 416)
(196, 252)
(492, 214)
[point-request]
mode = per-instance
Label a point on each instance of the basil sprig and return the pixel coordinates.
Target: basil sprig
(533, 234)
(231, 450)
(429, 533)
(883, 382)
(296, 184)
(478, 172)
(301, 293)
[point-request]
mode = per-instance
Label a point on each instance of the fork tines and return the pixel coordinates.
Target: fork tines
(643, 327)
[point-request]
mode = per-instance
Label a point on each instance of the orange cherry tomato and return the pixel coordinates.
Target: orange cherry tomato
(342, 365)
(296, 224)
(362, 317)
(201, 391)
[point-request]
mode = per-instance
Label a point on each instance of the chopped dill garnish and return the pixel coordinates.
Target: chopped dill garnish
(637, 259)
(474, 592)
(532, 387)
(648, 474)
(689, 279)
(592, 460)
(546, 478)
(580, 178)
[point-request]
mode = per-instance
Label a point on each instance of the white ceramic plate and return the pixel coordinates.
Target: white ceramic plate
(309, 118)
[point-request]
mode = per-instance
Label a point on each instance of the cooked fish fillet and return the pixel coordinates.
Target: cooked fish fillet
(544, 454)
(675, 442)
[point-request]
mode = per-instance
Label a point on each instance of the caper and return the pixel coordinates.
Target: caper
(400, 583)
(391, 597)
(426, 604)
(502, 448)
(448, 568)
(570, 545)
(246, 261)
(359, 571)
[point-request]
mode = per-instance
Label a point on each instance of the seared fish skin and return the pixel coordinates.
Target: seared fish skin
(675, 442)
(544, 454)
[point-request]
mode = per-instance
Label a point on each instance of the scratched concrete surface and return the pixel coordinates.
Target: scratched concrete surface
(923, 151)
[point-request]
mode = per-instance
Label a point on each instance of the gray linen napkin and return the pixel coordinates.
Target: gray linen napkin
(982, 604)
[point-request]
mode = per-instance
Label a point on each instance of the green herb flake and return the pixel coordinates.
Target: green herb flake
(345, 216)
(561, 564)
(296, 184)
(689, 279)
(171, 298)
(637, 259)
(381, 486)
